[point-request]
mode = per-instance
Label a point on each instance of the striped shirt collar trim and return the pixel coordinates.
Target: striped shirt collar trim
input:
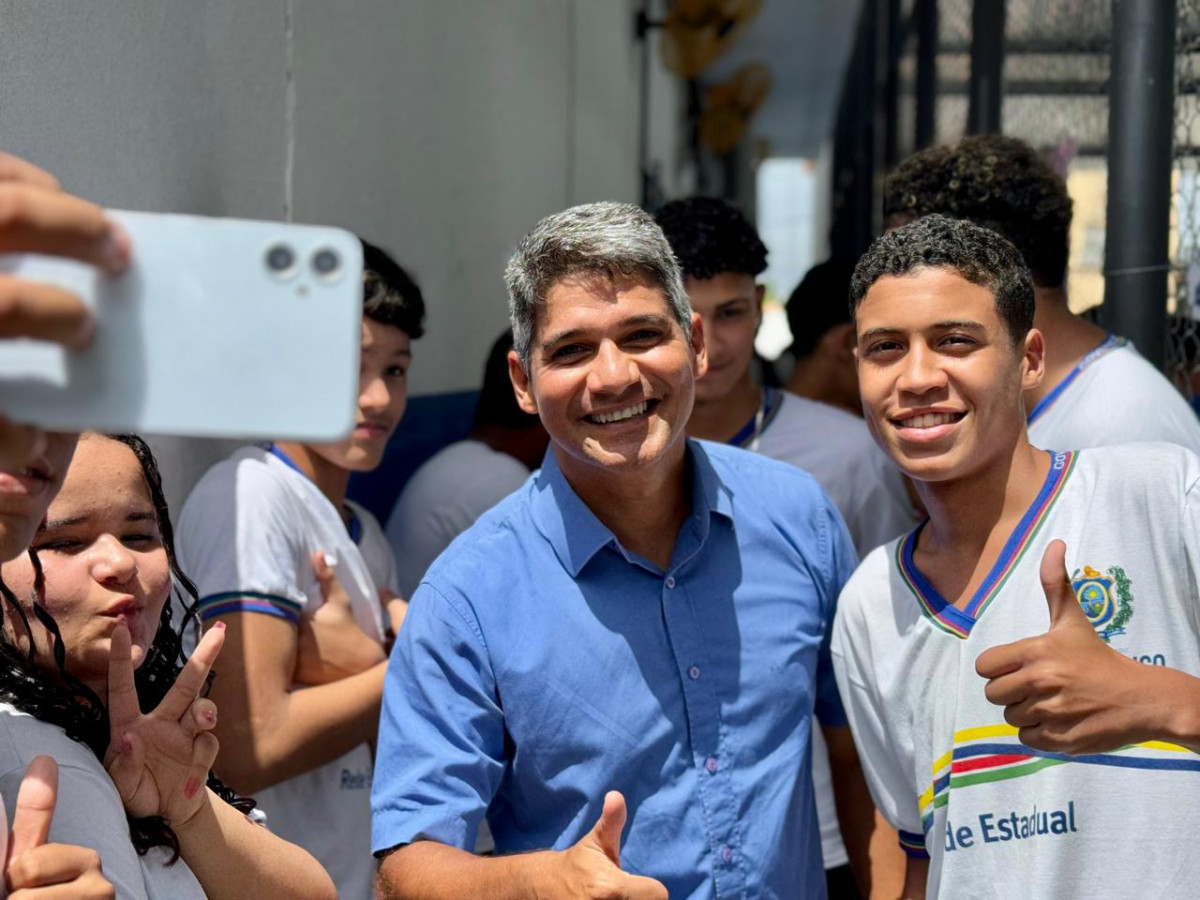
(1110, 343)
(351, 520)
(959, 622)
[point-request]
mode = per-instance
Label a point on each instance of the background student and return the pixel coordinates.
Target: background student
(249, 531)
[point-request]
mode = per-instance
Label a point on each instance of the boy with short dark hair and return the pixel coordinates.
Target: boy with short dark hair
(721, 256)
(989, 801)
(263, 533)
(1097, 390)
(822, 346)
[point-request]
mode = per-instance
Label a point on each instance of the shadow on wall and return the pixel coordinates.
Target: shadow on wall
(429, 424)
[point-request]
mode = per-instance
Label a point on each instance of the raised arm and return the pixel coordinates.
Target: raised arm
(270, 731)
(1068, 691)
(159, 762)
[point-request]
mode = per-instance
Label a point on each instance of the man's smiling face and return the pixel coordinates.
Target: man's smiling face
(611, 374)
(940, 376)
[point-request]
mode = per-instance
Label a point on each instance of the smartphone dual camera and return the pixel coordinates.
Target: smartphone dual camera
(282, 262)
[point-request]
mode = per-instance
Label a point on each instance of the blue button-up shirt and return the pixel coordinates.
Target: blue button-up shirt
(542, 664)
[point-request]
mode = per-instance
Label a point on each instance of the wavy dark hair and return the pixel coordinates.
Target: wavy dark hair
(59, 698)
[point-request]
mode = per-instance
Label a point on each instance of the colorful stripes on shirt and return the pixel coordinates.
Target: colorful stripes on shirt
(958, 622)
(248, 601)
(991, 753)
(913, 844)
(1110, 343)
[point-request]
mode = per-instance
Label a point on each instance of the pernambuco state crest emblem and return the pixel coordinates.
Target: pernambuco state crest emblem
(1106, 599)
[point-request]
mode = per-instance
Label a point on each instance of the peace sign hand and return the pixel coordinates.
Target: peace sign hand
(159, 761)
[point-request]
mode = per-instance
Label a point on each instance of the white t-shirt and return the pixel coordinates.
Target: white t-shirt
(837, 449)
(997, 818)
(1113, 397)
(89, 811)
(443, 499)
(246, 536)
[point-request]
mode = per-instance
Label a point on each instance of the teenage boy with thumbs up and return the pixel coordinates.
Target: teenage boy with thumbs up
(986, 803)
(646, 615)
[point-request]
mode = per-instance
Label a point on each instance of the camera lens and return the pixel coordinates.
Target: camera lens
(326, 262)
(280, 258)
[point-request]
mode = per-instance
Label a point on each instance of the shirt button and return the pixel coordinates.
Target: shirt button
(670, 581)
(694, 672)
(727, 853)
(711, 765)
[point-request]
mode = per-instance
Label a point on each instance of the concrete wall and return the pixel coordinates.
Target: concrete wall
(441, 129)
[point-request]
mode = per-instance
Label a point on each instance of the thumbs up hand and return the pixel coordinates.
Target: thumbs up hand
(34, 869)
(1066, 690)
(591, 870)
(330, 645)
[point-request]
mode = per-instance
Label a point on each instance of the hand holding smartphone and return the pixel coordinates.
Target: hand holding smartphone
(219, 327)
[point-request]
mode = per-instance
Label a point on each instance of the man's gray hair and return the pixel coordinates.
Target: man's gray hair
(613, 240)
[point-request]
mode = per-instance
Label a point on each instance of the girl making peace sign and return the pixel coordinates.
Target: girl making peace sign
(91, 671)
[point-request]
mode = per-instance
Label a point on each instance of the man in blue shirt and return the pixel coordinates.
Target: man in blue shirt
(639, 632)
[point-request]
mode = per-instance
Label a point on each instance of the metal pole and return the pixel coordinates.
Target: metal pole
(1141, 121)
(987, 67)
(644, 104)
(894, 40)
(854, 205)
(926, 15)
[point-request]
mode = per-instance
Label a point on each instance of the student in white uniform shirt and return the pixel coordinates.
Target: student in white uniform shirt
(298, 738)
(464, 480)
(1087, 782)
(1097, 389)
(89, 642)
(721, 255)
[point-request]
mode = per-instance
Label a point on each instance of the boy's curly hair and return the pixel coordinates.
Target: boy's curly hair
(978, 254)
(995, 181)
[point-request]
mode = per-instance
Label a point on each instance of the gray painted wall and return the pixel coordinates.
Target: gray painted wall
(441, 129)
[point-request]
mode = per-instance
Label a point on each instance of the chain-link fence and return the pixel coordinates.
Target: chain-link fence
(1183, 344)
(1056, 75)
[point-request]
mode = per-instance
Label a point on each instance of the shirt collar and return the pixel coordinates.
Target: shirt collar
(577, 535)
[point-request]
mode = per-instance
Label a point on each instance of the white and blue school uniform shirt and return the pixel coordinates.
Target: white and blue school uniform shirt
(997, 818)
(246, 536)
(1113, 396)
(543, 664)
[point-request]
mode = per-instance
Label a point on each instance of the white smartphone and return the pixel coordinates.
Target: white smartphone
(219, 328)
